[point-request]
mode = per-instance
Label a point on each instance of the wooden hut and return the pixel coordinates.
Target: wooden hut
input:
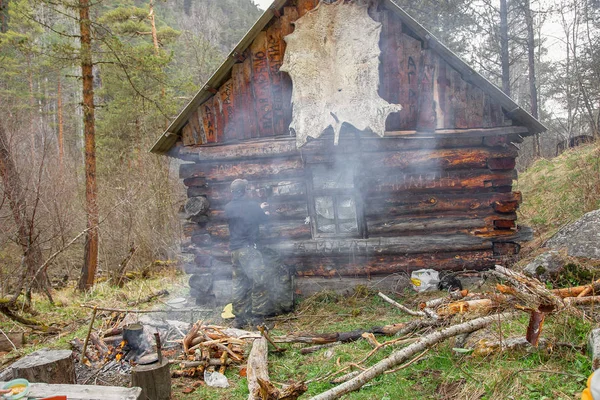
(434, 192)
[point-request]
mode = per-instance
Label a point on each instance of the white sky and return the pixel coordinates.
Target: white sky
(263, 4)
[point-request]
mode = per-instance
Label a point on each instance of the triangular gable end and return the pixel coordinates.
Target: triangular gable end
(426, 71)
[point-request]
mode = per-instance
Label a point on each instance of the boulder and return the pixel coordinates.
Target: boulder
(581, 238)
(546, 266)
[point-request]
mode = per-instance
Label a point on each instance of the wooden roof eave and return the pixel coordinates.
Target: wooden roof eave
(513, 110)
(168, 139)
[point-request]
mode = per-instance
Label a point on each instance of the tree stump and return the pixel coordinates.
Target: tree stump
(154, 379)
(46, 366)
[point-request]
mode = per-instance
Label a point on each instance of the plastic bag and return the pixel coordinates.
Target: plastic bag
(215, 379)
(425, 279)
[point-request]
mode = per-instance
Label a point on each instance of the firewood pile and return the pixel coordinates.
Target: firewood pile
(206, 346)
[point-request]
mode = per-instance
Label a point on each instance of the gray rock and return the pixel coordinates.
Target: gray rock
(581, 238)
(546, 266)
(594, 347)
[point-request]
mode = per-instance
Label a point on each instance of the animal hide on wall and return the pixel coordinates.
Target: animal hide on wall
(333, 59)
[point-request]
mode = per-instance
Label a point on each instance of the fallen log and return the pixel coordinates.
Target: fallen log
(257, 368)
(406, 353)
(576, 291)
(343, 337)
(6, 308)
(10, 341)
(572, 301)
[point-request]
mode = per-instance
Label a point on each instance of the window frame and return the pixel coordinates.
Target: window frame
(335, 194)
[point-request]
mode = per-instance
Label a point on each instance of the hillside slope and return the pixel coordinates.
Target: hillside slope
(560, 190)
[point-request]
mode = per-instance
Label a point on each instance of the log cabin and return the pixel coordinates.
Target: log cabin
(425, 182)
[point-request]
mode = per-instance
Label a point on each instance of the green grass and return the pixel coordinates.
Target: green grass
(560, 190)
(441, 373)
(559, 373)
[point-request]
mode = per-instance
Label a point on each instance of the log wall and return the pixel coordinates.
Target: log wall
(438, 202)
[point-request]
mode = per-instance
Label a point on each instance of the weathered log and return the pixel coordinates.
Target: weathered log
(575, 291)
(383, 245)
(393, 141)
(426, 160)
(582, 300)
(275, 230)
(47, 366)
(257, 367)
(378, 246)
(275, 191)
(422, 160)
(406, 353)
(154, 379)
(407, 204)
(439, 223)
(501, 163)
(228, 171)
(10, 341)
(283, 210)
(438, 181)
(195, 206)
(342, 265)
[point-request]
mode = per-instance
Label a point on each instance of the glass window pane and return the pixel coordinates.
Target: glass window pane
(325, 214)
(346, 207)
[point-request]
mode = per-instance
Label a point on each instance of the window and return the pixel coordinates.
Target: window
(335, 205)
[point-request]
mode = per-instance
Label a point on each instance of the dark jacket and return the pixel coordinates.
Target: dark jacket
(244, 217)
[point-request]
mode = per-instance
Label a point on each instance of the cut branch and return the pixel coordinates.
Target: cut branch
(406, 353)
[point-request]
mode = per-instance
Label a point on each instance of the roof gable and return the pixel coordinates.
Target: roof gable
(223, 73)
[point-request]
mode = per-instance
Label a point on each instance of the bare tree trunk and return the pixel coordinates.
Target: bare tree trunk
(504, 47)
(59, 111)
(26, 234)
(90, 262)
(153, 25)
(531, 67)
